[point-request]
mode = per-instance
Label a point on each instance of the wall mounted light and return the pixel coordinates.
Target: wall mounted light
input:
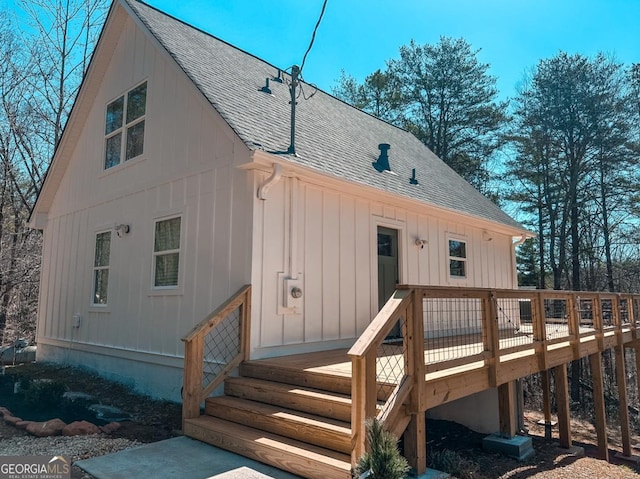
(122, 230)
(486, 236)
(421, 243)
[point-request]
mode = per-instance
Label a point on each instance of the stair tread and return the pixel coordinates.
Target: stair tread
(290, 447)
(301, 390)
(333, 425)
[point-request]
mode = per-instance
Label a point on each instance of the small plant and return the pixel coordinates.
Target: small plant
(42, 395)
(383, 460)
(453, 463)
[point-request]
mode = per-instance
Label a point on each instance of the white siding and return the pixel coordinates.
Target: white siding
(188, 168)
(336, 244)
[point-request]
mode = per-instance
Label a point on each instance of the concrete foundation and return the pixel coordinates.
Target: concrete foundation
(517, 447)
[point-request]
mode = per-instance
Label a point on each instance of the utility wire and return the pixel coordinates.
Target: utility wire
(313, 37)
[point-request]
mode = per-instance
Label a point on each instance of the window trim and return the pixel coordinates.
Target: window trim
(124, 128)
(95, 268)
(465, 260)
(172, 289)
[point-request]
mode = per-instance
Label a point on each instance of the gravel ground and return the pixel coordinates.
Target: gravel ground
(14, 442)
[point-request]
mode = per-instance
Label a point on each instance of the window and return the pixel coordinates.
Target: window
(124, 127)
(101, 268)
(457, 258)
(166, 253)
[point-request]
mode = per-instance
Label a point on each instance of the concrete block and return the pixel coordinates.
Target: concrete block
(518, 447)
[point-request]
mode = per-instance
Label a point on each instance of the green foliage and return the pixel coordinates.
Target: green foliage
(453, 463)
(41, 395)
(383, 460)
(444, 96)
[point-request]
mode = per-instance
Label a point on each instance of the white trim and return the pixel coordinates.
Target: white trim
(264, 161)
(457, 280)
(102, 307)
(117, 352)
(174, 289)
(124, 127)
(400, 227)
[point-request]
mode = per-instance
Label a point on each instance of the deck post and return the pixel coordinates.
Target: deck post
(562, 393)
(415, 438)
(595, 361)
(507, 409)
(490, 324)
(192, 381)
(621, 380)
(415, 443)
(546, 402)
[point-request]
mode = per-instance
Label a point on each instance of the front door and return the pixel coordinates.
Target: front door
(387, 264)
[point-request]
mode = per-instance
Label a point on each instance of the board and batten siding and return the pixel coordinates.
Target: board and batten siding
(188, 168)
(327, 240)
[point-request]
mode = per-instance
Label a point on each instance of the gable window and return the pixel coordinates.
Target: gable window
(101, 268)
(124, 127)
(166, 253)
(457, 258)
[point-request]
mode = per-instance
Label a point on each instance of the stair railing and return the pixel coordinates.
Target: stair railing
(213, 348)
(387, 364)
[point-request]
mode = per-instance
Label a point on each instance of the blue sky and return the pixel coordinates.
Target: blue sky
(359, 36)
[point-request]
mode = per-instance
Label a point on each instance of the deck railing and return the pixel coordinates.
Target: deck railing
(214, 348)
(386, 361)
(425, 329)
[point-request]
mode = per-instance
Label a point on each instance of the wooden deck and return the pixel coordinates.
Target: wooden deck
(305, 413)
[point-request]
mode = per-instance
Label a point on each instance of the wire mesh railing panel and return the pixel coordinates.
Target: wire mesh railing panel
(452, 328)
(515, 322)
(585, 314)
(625, 317)
(606, 312)
(221, 346)
(390, 365)
(556, 319)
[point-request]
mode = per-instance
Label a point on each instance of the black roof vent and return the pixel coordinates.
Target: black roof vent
(413, 180)
(382, 164)
(266, 88)
(278, 79)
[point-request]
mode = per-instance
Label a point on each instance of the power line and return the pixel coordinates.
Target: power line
(313, 37)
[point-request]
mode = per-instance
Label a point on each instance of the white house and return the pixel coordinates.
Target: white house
(173, 186)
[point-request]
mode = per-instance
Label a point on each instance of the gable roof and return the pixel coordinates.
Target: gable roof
(332, 137)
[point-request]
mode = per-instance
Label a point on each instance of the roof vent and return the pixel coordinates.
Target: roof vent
(413, 180)
(278, 79)
(266, 88)
(382, 164)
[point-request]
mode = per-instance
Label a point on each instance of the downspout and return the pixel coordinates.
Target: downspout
(264, 188)
(514, 269)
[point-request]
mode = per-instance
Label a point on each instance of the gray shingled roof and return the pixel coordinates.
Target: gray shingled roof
(331, 136)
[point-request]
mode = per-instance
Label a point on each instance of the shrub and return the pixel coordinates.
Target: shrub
(453, 463)
(383, 460)
(41, 395)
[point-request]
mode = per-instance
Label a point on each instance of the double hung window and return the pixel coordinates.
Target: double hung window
(166, 253)
(101, 268)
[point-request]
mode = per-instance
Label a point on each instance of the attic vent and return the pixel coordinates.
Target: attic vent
(278, 79)
(382, 164)
(266, 88)
(413, 180)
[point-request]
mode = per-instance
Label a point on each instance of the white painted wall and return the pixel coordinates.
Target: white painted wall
(188, 168)
(326, 238)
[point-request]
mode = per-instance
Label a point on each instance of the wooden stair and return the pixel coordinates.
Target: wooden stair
(288, 419)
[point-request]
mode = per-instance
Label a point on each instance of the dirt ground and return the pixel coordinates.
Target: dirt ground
(157, 420)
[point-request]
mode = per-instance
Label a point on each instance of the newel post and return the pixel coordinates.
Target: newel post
(192, 381)
(363, 399)
(415, 439)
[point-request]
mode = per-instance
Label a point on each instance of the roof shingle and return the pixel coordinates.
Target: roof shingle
(331, 136)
